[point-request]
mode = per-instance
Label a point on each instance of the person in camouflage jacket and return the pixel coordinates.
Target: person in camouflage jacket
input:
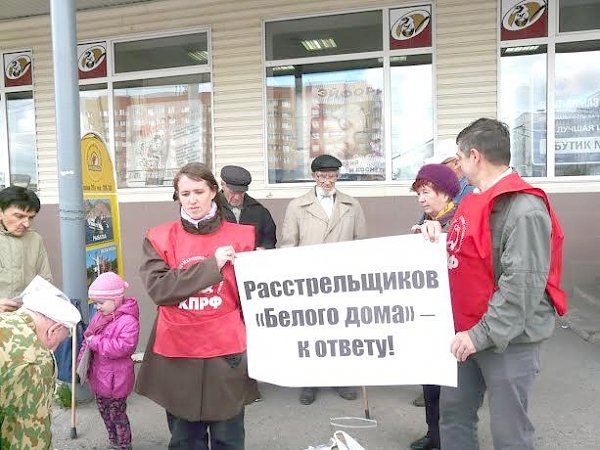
(27, 369)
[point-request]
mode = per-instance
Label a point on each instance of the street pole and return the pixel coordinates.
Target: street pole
(66, 87)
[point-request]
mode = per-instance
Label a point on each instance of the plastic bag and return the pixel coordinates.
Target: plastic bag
(343, 441)
(340, 441)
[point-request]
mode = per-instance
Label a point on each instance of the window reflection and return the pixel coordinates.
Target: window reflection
(161, 125)
(577, 109)
(93, 111)
(412, 114)
(523, 107)
(333, 108)
(21, 139)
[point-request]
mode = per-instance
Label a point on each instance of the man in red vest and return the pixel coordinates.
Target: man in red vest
(504, 266)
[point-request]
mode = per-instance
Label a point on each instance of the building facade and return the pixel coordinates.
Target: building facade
(270, 85)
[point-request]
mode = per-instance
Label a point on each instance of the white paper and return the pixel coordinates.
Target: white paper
(406, 326)
(40, 284)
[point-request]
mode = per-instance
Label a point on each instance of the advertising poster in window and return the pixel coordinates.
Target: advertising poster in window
(102, 234)
(163, 131)
(17, 69)
(410, 27)
(523, 19)
(346, 122)
(91, 60)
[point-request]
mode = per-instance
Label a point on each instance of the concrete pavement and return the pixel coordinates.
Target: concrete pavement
(564, 409)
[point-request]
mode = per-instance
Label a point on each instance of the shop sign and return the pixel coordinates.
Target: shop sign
(523, 19)
(91, 60)
(17, 69)
(410, 27)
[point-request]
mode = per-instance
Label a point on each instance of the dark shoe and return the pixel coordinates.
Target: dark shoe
(347, 393)
(307, 395)
(423, 444)
(419, 401)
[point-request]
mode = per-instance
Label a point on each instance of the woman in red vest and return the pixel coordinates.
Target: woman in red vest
(195, 361)
(436, 186)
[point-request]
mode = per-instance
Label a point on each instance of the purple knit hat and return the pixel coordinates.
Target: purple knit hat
(108, 286)
(441, 176)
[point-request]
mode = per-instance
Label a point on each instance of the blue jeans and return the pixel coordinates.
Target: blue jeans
(223, 434)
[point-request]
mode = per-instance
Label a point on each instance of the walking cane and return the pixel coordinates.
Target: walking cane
(366, 402)
(73, 380)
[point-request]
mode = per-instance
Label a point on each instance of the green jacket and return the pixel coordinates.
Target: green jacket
(27, 378)
(21, 259)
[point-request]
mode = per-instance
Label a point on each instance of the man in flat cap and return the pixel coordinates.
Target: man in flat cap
(239, 207)
(320, 216)
(28, 337)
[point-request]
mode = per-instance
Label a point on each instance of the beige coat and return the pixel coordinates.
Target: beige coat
(306, 222)
(21, 259)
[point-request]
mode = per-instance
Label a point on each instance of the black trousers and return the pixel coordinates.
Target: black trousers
(204, 435)
(432, 412)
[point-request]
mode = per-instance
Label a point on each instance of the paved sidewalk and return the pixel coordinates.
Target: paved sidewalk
(564, 409)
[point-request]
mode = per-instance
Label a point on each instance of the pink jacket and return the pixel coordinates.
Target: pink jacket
(114, 339)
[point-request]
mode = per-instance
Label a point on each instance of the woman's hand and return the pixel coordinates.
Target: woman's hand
(431, 230)
(415, 228)
(224, 254)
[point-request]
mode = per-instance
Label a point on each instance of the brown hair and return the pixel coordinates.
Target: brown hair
(420, 182)
(198, 172)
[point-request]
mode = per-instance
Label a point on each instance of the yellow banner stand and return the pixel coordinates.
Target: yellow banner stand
(102, 230)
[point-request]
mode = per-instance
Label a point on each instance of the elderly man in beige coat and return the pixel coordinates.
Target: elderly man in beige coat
(323, 215)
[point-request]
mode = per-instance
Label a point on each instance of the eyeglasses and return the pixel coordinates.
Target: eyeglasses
(326, 176)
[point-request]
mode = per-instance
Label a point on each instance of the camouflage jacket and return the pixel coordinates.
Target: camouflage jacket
(27, 377)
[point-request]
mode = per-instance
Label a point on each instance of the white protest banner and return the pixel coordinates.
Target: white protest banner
(368, 312)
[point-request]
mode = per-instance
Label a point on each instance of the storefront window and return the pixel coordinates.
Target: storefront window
(560, 136)
(523, 106)
(159, 121)
(18, 160)
(326, 87)
(20, 114)
(579, 15)
(412, 118)
(93, 111)
(577, 109)
(326, 108)
(161, 53)
(324, 36)
(160, 125)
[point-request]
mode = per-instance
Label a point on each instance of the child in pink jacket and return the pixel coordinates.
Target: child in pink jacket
(112, 338)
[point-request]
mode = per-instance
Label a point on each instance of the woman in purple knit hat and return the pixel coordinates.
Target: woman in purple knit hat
(436, 186)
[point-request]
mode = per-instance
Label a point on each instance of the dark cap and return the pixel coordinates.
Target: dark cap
(325, 163)
(236, 178)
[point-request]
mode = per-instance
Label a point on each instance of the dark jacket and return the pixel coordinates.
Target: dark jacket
(194, 389)
(253, 213)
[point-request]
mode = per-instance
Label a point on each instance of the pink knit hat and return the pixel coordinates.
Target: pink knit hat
(108, 286)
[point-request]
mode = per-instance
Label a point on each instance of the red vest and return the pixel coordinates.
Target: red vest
(470, 265)
(209, 323)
